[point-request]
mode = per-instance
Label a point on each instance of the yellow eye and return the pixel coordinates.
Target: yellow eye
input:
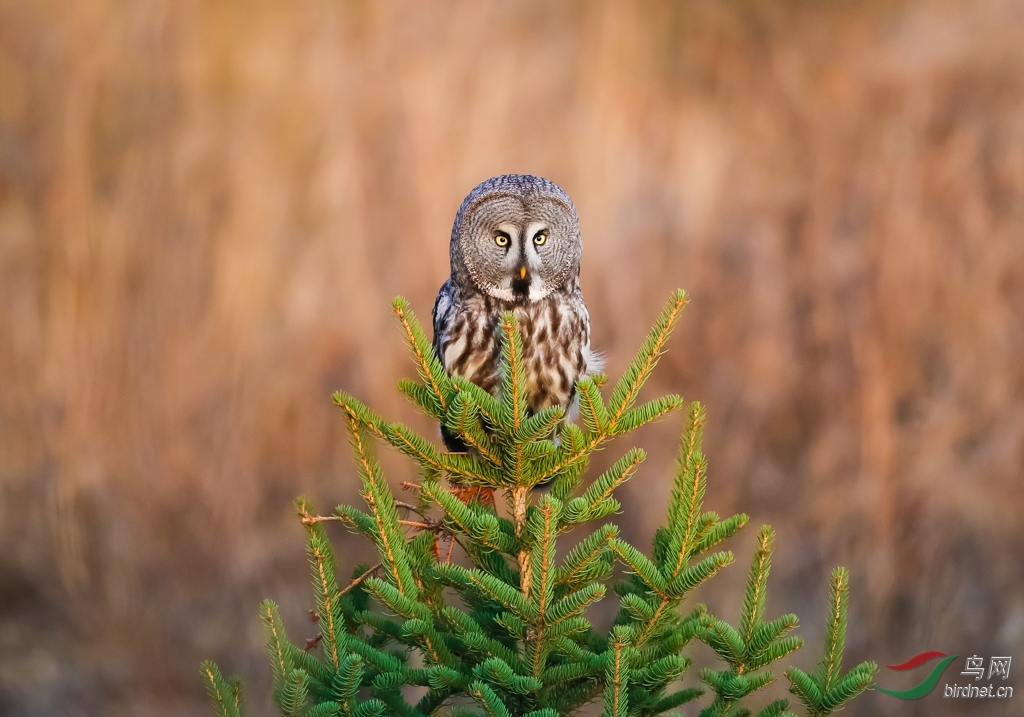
(540, 239)
(501, 240)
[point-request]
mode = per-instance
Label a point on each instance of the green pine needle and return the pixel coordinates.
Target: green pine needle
(828, 689)
(291, 698)
(753, 599)
(280, 662)
(224, 697)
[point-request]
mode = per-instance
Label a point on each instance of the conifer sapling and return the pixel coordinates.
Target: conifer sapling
(420, 633)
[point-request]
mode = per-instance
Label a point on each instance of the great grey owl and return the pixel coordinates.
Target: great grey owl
(515, 246)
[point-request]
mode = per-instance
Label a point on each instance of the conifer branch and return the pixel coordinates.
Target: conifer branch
(221, 693)
(616, 702)
(835, 635)
(625, 392)
(514, 378)
(597, 501)
(751, 647)
(828, 689)
(753, 601)
(327, 607)
(466, 424)
(383, 509)
(429, 367)
(276, 640)
(589, 555)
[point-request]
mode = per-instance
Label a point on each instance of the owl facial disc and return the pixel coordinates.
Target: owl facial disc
(516, 238)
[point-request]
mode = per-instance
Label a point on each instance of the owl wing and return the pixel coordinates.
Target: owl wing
(442, 314)
(594, 360)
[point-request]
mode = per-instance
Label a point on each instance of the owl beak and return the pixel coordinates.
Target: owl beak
(522, 272)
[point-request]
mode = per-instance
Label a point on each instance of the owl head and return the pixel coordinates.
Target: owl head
(516, 238)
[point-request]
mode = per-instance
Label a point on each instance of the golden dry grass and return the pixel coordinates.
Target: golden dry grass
(205, 209)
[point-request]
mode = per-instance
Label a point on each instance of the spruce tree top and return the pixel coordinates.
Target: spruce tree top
(470, 611)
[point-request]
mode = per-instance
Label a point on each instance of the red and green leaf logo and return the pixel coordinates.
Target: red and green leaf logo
(929, 682)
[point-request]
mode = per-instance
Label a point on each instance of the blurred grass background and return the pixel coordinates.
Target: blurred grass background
(205, 208)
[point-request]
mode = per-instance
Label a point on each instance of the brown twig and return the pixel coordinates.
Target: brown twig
(360, 579)
(312, 642)
(410, 506)
(519, 504)
(311, 519)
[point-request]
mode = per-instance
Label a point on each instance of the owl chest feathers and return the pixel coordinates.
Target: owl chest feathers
(555, 334)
